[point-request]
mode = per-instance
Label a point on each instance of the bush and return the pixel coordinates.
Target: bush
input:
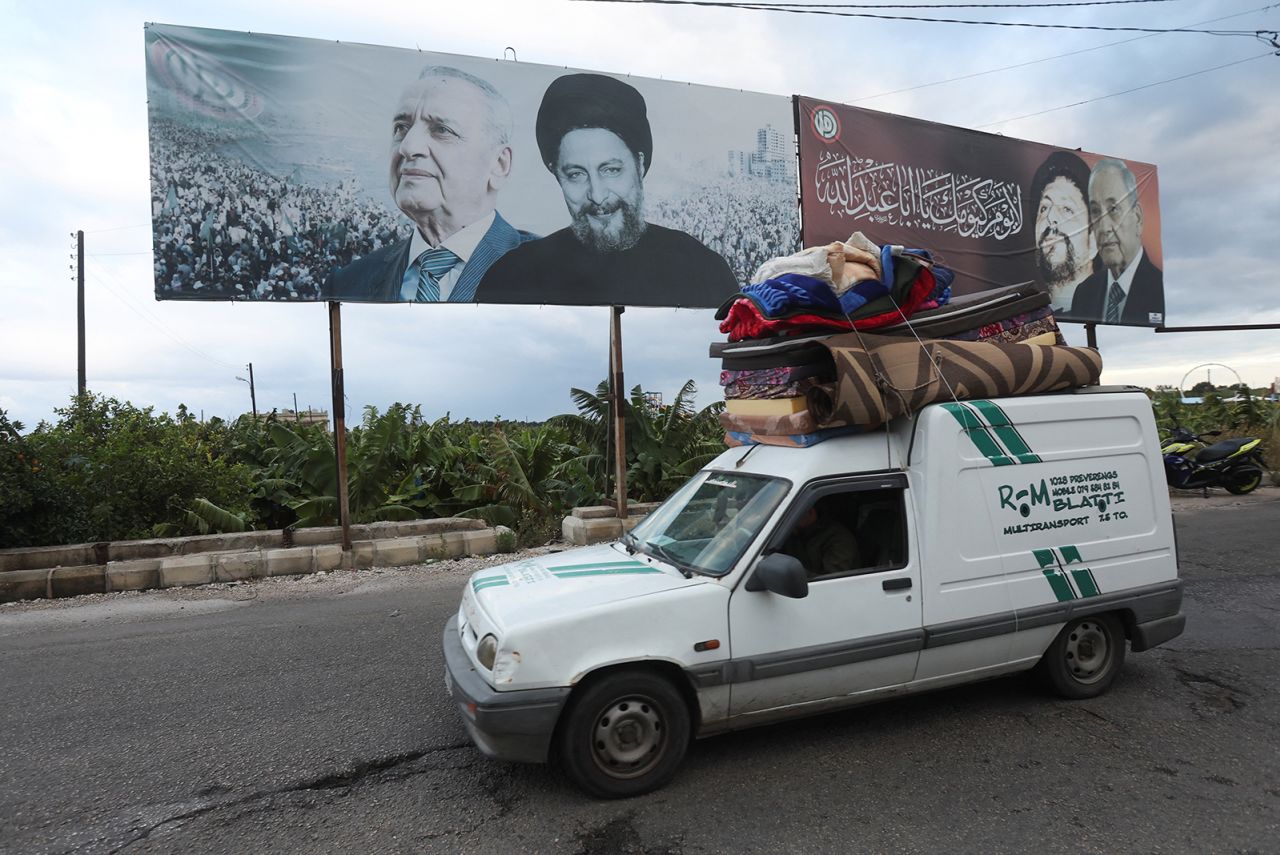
(107, 470)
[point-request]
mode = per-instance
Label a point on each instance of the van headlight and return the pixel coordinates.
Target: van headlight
(487, 651)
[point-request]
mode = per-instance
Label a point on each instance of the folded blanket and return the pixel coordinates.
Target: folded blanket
(801, 422)
(765, 407)
(735, 438)
(778, 390)
(743, 317)
(771, 376)
(879, 377)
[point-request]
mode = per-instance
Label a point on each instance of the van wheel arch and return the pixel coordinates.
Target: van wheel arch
(626, 728)
(669, 671)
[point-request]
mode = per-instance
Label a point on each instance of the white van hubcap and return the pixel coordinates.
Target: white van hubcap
(628, 737)
(1088, 651)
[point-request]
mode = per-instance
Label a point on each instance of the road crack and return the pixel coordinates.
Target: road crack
(391, 766)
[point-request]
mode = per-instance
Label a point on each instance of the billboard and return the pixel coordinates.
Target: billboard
(999, 211)
(298, 169)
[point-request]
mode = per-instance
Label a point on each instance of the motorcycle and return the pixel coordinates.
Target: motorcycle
(1191, 464)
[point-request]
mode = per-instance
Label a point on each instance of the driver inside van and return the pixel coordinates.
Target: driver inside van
(822, 544)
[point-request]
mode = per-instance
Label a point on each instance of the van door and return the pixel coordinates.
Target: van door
(859, 628)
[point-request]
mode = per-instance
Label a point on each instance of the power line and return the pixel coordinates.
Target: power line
(812, 10)
(116, 229)
(1125, 92)
(155, 322)
(950, 5)
(1048, 58)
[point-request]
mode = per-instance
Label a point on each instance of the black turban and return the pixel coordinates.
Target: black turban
(1060, 164)
(592, 101)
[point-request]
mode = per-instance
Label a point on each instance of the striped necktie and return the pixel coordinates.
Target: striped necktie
(1115, 296)
(433, 264)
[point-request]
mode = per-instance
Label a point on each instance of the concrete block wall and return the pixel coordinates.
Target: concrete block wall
(600, 523)
(79, 554)
(246, 559)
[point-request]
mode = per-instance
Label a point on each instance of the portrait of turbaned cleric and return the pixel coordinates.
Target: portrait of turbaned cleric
(450, 153)
(594, 137)
(1058, 213)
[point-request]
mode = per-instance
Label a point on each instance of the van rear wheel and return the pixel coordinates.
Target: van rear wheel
(625, 735)
(1083, 661)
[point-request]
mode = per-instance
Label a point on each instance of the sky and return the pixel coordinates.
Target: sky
(74, 113)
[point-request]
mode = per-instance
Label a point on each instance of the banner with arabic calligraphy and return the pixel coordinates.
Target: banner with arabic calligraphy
(997, 210)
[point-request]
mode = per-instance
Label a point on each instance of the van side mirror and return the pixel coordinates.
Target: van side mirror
(780, 574)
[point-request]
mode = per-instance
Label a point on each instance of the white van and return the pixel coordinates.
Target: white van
(975, 539)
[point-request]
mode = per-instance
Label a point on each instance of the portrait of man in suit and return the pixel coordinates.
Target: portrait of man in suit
(1129, 289)
(594, 137)
(450, 154)
(1059, 214)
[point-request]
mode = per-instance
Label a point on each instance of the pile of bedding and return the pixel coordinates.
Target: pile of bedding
(798, 368)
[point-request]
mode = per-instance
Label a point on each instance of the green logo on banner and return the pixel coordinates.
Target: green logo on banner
(1067, 582)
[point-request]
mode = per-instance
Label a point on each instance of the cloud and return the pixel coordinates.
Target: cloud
(76, 158)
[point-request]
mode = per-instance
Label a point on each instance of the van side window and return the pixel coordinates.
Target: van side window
(852, 532)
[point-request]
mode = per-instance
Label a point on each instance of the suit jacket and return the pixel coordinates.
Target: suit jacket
(1146, 295)
(377, 277)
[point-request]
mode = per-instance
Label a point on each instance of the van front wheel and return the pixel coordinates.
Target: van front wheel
(1085, 658)
(625, 735)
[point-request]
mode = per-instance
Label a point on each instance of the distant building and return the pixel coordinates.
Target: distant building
(306, 417)
(773, 158)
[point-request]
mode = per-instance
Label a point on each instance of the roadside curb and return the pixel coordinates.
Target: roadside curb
(203, 568)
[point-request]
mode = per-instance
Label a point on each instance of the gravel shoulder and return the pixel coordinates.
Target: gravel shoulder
(146, 605)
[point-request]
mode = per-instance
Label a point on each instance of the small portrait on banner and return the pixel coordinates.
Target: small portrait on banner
(449, 155)
(594, 137)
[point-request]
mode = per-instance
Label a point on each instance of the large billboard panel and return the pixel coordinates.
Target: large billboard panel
(297, 169)
(999, 211)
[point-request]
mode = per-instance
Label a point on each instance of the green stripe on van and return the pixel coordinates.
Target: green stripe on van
(978, 434)
(1058, 582)
(595, 565)
(1045, 557)
(1005, 430)
(1084, 580)
(490, 582)
(606, 571)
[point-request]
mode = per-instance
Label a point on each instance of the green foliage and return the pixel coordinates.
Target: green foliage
(1246, 415)
(110, 471)
(106, 470)
(506, 541)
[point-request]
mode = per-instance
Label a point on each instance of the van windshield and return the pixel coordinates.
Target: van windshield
(708, 523)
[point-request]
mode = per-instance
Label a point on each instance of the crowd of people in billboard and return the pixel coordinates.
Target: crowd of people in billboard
(747, 222)
(226, 229)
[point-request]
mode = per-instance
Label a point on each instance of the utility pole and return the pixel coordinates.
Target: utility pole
(253, 395)
(82, 386)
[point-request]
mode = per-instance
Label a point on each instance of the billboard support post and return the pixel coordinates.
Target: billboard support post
(1091, 335)
(339, 419)
(619, 410)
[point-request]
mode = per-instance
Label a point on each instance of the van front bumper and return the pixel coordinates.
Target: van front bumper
(515, 725)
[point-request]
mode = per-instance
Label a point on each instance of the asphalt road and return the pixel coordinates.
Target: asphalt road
(310, 716)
